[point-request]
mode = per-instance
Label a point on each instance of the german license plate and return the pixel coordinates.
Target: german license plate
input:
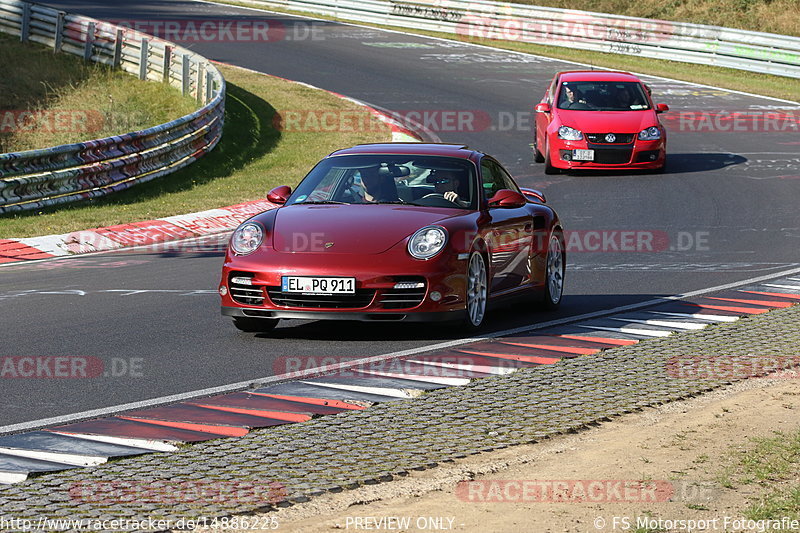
(583, 155)
(315, 285)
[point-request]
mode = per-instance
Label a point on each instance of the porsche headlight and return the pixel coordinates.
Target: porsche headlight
(247, 238)
(427, 242)
(569, 134)
(652, 133)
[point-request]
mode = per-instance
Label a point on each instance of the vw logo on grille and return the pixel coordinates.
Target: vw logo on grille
(610, 138)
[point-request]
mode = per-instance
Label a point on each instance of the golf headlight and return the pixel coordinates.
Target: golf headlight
(247, 238)
(427, 242)
(650, 134)
(569, 134)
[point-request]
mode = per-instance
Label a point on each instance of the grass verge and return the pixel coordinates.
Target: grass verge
(737, 80)
(253, 157)
(770, 16)
(74, 100)
(772, 468)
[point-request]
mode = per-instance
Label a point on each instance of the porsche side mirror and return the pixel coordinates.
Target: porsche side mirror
(279, 195)
(661, 108)
(542, 108)
(533, 194)
(508, 199)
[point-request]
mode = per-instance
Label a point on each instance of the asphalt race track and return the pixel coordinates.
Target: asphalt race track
(725, 211)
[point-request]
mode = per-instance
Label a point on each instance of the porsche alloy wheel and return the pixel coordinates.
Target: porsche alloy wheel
(554, 272)
(476, 290)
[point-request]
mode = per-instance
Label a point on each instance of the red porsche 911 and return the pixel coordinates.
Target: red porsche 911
(592, 119)
(393, 232)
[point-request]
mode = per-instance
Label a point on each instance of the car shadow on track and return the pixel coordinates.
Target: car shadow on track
(502, 319)
(676, 164)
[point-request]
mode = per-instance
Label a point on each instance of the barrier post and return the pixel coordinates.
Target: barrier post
(88, 47)
(144, 57)
(167, 62)
(59, 40)
(118, 42)
(25, 28)
(185, 72)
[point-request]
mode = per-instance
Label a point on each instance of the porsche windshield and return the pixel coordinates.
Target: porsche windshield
(430, 181)
(602, 96)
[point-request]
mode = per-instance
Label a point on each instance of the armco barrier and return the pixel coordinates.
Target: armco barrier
(484, 21)
(36, 178)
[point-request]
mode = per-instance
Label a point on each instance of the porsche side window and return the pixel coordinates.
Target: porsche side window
(491, 179)
(494, 177)
(505, 178)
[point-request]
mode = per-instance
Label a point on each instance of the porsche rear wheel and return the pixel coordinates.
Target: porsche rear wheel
(255, 325)
(554, 273)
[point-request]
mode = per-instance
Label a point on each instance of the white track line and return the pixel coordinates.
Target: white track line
(10, 478)
(71, 459)
(144, 444)
(700, 316)
(670, 324)
(791, 287)
(484, 369)
(381, 391)
(632, 331)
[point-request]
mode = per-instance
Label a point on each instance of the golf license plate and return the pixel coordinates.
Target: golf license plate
(318, 285)
(583, 155)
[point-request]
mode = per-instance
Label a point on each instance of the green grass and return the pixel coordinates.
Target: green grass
(81, 101)
(737, 80)
(773, 465)
(253, 157)
(772, 16)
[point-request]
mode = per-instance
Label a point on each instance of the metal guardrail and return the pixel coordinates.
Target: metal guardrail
(483, 21)
(36, 178)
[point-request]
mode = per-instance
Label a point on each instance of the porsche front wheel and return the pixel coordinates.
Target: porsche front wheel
(554, 273)
(477, 290)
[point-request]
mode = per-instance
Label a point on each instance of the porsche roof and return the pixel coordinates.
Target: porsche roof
(411, 148)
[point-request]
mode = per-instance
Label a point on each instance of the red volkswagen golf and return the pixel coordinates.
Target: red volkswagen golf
(599, 120)
(392, 232)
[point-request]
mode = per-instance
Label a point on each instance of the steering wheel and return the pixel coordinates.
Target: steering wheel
(439, 196)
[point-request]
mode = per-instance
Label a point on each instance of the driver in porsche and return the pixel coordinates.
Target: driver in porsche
(447, 183)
